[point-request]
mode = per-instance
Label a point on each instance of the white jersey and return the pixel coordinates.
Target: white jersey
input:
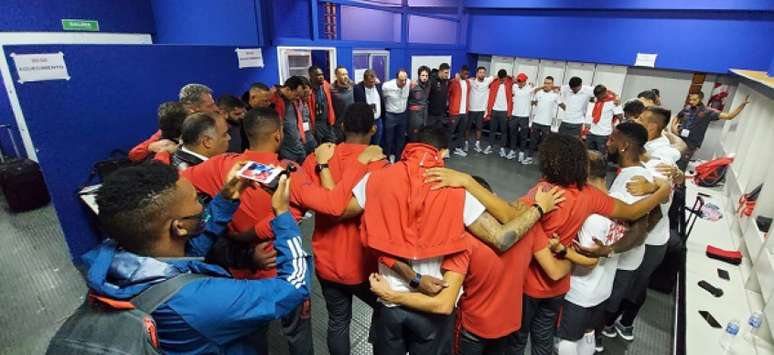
(630, 260)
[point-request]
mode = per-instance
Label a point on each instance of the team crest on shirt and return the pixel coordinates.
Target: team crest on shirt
(615, 233)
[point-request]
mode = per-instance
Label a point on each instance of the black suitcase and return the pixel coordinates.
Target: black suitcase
(21, 180)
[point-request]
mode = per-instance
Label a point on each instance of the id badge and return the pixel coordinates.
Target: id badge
(685, 133)
(306, 126)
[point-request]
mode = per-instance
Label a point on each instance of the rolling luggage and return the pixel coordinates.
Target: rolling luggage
(21, 180)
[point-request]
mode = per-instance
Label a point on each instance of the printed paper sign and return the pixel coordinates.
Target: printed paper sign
(250, 57)
(645, 60)
(40, 67)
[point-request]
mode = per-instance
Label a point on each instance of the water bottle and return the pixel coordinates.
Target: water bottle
(729, 336)
(755, 323)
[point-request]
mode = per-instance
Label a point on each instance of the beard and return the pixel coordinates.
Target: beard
(613, 157)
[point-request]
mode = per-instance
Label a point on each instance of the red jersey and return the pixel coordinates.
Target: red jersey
(565, 222)
(141, 151)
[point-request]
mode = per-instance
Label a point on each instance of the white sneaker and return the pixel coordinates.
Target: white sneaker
(527, 161)
(460, 152)
(511, 155)
(488, 150)
(392, 159)
(521, 157)
(502, 153)
(467, 147)
(477, 147)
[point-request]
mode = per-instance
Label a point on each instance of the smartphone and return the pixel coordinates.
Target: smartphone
(710, 319)
(723, 274)
(266, 175)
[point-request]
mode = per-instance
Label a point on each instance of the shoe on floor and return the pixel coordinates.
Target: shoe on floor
(627, 333)
(527, 161)
(511, 155)
(502, 153)
(488, 150)
(460, 152)
(477, 147)
(609, 331)
(521, 157)
(598, 346)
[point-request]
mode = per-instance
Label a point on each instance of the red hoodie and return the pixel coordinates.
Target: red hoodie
(404, 218)
(329, 104)
(493, 87)
(455, 96)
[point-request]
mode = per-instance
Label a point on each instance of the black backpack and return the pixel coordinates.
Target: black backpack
(105, 326)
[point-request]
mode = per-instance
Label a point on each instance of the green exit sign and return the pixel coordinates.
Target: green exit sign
(80, 25)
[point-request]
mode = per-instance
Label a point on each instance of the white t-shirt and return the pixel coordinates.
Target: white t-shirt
(479, 94)
(372, 98)
(545, 109)
(501, 102)
(522, 100)
(605, 125)
(395, 98)
(576, 104)
(630, 260)
(463, 96)
(661, 152)
(592, 286)
(472, 209)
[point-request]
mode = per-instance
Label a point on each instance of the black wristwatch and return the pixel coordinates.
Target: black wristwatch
(414, 283)
(540, 209)
(562, 253)
(319, 168)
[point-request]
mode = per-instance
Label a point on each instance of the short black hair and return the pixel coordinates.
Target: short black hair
(599, 89)
(230, 102)
(435, 136)
(597, 165)
(700, 93)
(133, 203)
(549, 78)
(358, 118)
(633, 107)
(648, 94)
(635, 133)
(260, 122)
(444, 66)
(502, 73)
(575, 81)
(369, 72)
(423, 68)
(314, 68)
(171, 116)
(305, 81)
(656, 91)
(464, 68)
(480, 68)
(481, 181)
(563, 160)
(294, 82)
(659, 116)
(195, 126)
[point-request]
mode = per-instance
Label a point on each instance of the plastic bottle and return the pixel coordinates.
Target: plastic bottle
(755, 323)
(729, 336)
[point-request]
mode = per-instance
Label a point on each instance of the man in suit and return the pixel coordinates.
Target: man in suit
(370, 92)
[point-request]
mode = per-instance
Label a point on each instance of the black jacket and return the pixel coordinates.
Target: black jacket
(360, 96)
(439, 97)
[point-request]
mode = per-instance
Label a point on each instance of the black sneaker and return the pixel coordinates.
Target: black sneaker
(627, 333)
(598, 346)
(609, 331)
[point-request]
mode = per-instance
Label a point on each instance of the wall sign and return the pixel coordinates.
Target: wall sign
(80, 25)
(250, 57)
(645, 60)
(40, 67)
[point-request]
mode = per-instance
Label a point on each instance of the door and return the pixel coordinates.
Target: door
(376, 60)
(297, 60)
(501, 63)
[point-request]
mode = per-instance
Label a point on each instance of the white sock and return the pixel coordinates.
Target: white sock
(566, 347)
(586, 346)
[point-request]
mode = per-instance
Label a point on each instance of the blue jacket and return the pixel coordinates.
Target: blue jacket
(211, 315)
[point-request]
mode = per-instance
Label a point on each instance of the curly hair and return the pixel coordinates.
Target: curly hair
(171, 115)
(133, 202)
(563, 160)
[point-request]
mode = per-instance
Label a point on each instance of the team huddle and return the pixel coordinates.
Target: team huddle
(446, 264)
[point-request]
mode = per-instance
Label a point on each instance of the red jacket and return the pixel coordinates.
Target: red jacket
(403, 217)
(493, 87)
(140, 151)
(329, 104)
(339, 255)
(279, 106)
(455, 96)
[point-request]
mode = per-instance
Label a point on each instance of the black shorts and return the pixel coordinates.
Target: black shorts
(575, 320)
(623, 281)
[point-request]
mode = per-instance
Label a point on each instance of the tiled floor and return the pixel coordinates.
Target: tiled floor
(39, 287)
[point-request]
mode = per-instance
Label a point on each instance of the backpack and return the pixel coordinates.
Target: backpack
(713, 172)
(106, 326)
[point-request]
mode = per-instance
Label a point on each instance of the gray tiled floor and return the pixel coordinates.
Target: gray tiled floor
(39, 287)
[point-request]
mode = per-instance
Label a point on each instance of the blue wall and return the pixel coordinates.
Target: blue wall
(110, 102)
(709, 42)
(205, 22)
(130, 16)
(689, 5)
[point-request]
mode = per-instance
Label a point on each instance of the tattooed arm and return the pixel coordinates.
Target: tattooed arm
(503, 236)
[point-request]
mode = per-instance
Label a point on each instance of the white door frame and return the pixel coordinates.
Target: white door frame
(331, 52)
(33, 38)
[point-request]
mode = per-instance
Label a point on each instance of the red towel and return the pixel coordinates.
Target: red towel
(729, 256)
(597, 112)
